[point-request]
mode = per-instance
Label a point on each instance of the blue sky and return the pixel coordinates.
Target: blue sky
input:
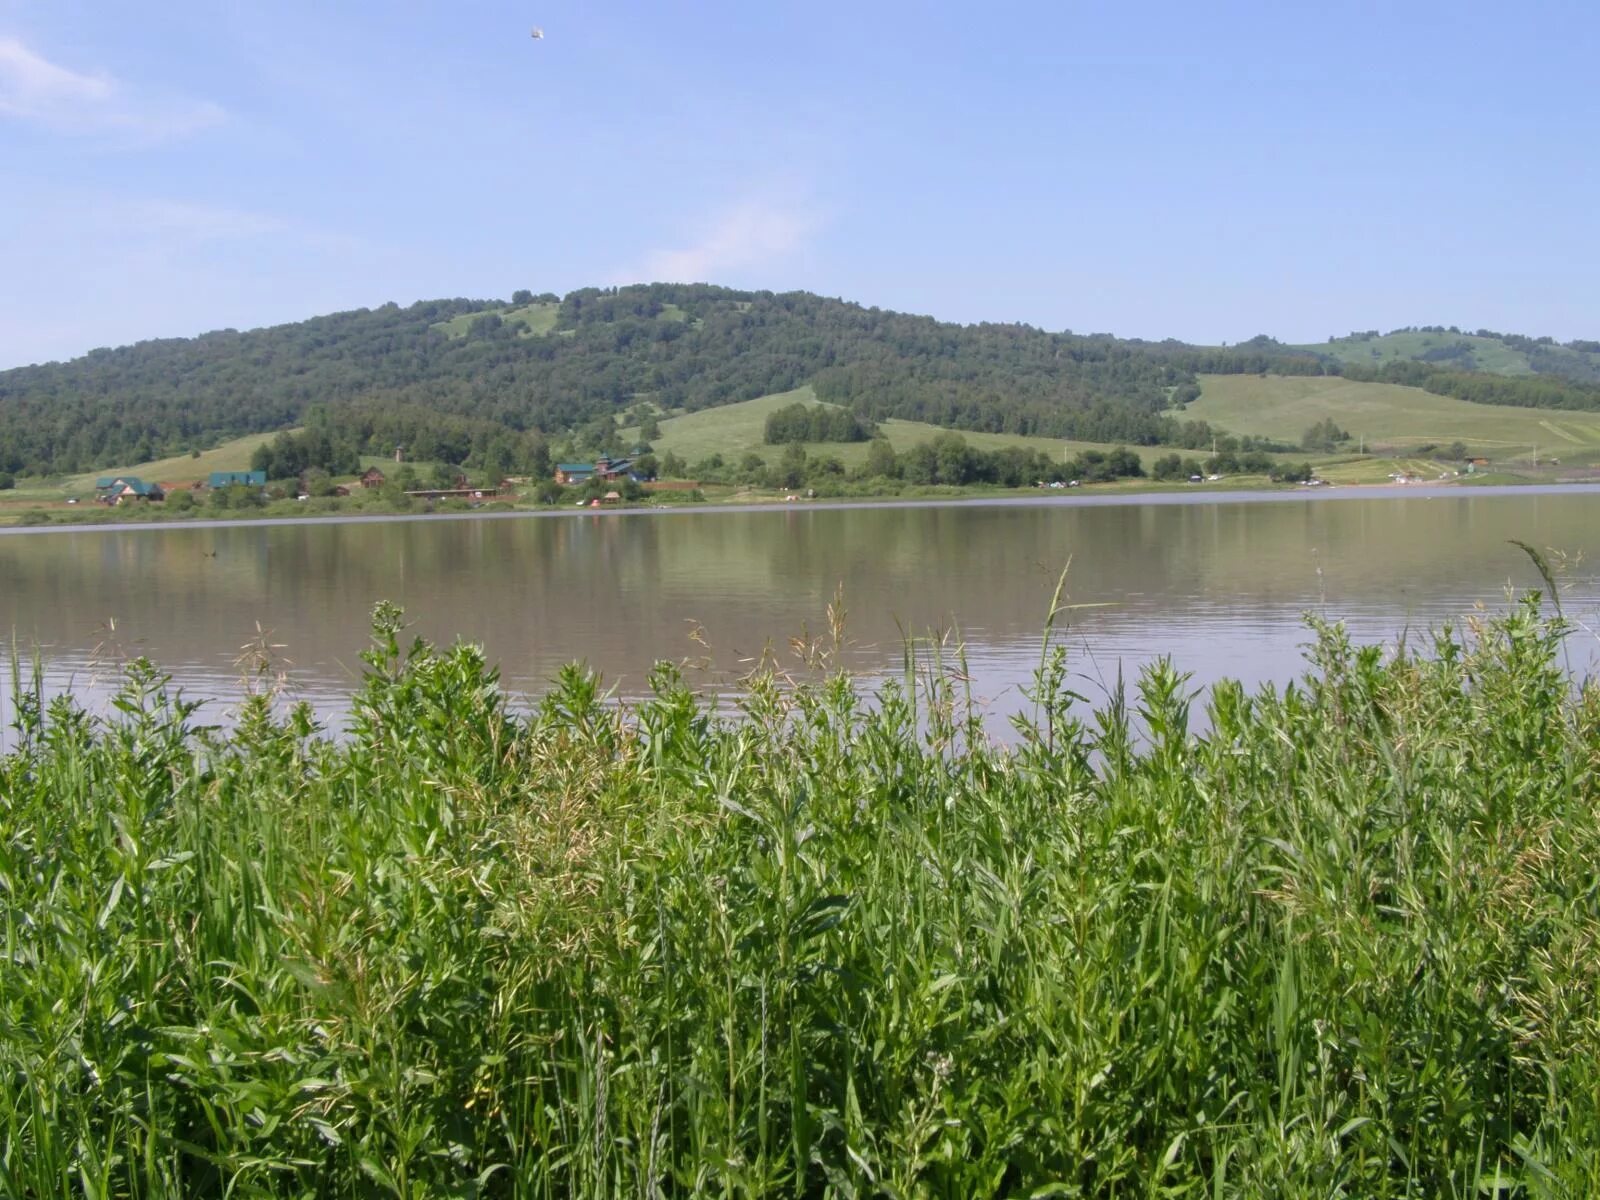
(1207, 172)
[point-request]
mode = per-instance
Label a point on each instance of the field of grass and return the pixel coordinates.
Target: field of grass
(229, 456)
(734, 430)
(1388, 416)
(1340, 945)
(536, 320)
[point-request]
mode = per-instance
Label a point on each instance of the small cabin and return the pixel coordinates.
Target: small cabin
(373, 478)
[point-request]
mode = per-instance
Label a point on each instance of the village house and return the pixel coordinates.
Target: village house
(125, 489)
(372, 478)
(603, 469)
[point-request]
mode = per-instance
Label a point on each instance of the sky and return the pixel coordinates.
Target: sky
(1206, 172)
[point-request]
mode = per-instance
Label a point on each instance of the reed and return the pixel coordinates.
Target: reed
(1345, 943)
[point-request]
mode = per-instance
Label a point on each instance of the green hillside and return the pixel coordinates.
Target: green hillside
(373, 378)
(229, 456)
(734, 430)
(501, 385)
(530, 320)
(1389, 417)
(1486, 351)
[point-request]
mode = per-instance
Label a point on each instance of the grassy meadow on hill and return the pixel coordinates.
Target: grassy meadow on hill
(229, 456)
(232, 455)
(1391, 417)
(734, 430)
(531, 320)
(1492, 353)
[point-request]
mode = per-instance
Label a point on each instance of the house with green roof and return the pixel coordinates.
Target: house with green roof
(119, 489)
(602, 468)
(226, 479)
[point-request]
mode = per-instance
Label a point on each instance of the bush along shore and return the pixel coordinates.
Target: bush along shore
(1345, 943)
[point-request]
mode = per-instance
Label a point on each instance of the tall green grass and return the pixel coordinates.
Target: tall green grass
(1347, 943)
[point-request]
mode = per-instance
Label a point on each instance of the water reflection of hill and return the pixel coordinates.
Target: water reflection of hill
(622, 591)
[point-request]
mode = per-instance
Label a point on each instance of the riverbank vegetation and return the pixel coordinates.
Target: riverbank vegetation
(1339, 944)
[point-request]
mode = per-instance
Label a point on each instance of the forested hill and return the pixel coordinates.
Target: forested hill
(458, 369)
(452, 376)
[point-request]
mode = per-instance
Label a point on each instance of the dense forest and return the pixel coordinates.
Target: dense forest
(493, 382)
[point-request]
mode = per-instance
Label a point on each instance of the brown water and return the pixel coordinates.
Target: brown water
(1221, 585)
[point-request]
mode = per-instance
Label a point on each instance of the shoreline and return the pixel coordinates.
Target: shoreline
(1078, 499)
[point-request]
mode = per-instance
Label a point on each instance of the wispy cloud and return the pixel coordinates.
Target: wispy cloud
(34, 89)
(750, 234)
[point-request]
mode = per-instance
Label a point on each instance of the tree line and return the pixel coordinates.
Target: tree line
(1523, 391)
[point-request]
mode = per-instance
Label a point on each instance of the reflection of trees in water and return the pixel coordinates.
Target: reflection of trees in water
(622, 590)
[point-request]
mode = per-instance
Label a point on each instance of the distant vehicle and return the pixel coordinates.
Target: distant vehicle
(74, 500)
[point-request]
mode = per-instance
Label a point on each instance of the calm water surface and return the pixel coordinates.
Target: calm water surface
(1221, 586)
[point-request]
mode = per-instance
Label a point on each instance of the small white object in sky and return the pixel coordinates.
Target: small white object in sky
(538, 33)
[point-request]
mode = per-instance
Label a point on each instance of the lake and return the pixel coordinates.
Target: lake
(1220, 582)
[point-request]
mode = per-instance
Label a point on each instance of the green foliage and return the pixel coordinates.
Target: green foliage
(1292, 473)
(237, 497)
(290, 455)
(1341, 944)
(1170, 468)
(1323, 437)
(800, 422)
(7, 481)
(1482, 350)
(882, 462)
(1480, 388)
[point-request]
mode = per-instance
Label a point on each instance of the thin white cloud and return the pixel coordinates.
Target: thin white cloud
(750, 234)
(34, 89)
